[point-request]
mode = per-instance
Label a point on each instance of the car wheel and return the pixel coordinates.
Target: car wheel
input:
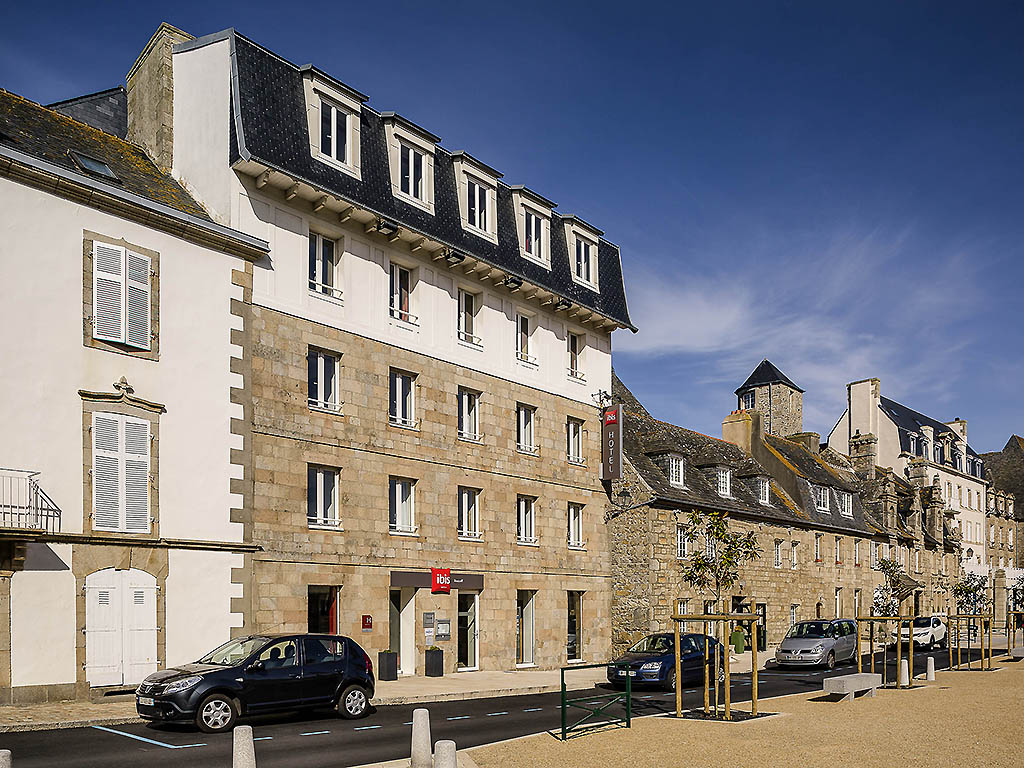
(670, 683)
(353, 703)
(830, 660)
(216, 714)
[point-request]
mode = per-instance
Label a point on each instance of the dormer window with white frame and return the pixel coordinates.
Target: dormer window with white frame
(411, 161)
(584, 268)
(533, 225)
(582, 240)
(747, 400)
(478, 195)
(724, 482)
(846, 504)
(764, 490)
(677, 471)
(333, 131)
(333, 111)
(821, 502)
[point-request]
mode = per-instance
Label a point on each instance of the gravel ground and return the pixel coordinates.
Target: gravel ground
(963, 718)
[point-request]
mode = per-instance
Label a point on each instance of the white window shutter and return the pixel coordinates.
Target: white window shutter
(106, 471)
(137, 291)
(108, 292)
(136, 475)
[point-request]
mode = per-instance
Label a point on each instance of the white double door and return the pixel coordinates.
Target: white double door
(120, 627)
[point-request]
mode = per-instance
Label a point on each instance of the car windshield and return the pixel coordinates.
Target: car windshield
(922, 622)
(653, 644)
(233, 651)
(811, 629)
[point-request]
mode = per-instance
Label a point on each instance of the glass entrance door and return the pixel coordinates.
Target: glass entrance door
(468, 633)
(524, 627)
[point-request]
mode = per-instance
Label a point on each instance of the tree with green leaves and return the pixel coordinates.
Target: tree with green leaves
(886, 602)
(971, 594)
(715, 569)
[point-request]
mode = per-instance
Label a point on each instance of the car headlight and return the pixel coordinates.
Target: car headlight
(183, 685)
(819, 648)
(651, 666)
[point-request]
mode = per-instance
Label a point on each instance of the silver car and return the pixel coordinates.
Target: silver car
(823, 641)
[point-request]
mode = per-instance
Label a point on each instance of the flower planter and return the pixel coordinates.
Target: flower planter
(387, 665)
(434, 666)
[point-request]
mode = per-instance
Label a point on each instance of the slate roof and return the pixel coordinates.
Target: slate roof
(1005, 469)
(766, 373)
(47, 135)
(910, 421)
(270, 128)
(106, 110)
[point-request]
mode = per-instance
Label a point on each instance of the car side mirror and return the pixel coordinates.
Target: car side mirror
(256, 666)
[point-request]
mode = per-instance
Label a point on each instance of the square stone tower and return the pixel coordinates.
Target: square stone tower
(780, 401)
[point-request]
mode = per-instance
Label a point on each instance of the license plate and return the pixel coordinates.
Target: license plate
(146, 701)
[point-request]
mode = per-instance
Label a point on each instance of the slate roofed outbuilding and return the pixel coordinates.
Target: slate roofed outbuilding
(766, 373)
(270, 128)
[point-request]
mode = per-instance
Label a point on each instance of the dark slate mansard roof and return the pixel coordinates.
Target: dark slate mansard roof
(270, 128)
(766, 373)
(910, 421)
(106, 110)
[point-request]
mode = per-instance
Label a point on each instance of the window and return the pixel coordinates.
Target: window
(1009, 538)
(821, 498)
(401, 293)
(523, 339)
(682, 609)
(709, 547)
(467, 318)
(525, 416)
(333, 132)
(724, 482)
(574, 627)
(991, 534)
(839, 551)
(469, 414)
(778, 553)
(876, 554)
(534, 236)
(401, 505)
(793, 554)
(469, 513)
(526, 532)
(323, 266)
(574, 440)
(574, 343)
(477, 195)
(682, 542)
(120, 473)
(575, 534)
(764, 489)
(411, 173)
(839, 603)
(323, 381)
(322, 497)
(817, 547)
(93, 167)
(402, 399)
(747, 401)
(121, 296)
(676, 471)
(856, 552)
(584, 266)
(917, 560)
(913, 445)
(792, 614)
(846, 504)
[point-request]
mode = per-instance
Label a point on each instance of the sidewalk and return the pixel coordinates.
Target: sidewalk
(405, 690)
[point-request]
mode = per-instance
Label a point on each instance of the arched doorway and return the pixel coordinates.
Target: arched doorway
(120, 627)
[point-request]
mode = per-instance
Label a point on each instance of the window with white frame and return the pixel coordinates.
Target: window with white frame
(322, 370)
(709, 546)
(574, 440)
(322, 509)
(747, 400)
(764, 490)
(917, 560)
(876, 554)
(323, 266)
(856, 551)
(846, 503)
(682, 609)
(677, 471)
(682, 542)
(525, 417)
(469, 414)
(575, 523)
(121, 296)
(778, 553)
(334, 132)
(402, 408)
(724, 482)
(477, 205)
(411, 162)
(401, 293)
(839, 550)
(120, 473)
(991, 534)
(469, 513)
(792, 554)
(524, 325)
(526, 531)
(401, 505)
(821, 498)
(585, 263)
(468, 305)
(574, 344)
(534, 245)
(817, 547)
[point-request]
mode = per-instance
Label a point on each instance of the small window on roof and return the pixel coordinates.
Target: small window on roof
(93, 166)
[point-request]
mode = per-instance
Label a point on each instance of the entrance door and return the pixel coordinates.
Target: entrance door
(468, 634)
(574, 627)
(524, 626)
(761, 609)
(322, 606)
(402, 628)
(120, 627)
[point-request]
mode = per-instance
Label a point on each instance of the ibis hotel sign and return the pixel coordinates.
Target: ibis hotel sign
(611, 443)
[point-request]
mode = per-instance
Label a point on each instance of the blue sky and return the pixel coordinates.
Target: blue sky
(836, 187)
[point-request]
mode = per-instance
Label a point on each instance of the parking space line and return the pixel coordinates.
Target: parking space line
(496, 714)
(409, 723)
(262, 738)
(460, 717)
(148, 741)
(314, 733)
(366, 728)
(534, 709)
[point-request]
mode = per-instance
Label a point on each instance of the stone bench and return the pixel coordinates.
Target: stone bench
(1017, 653)
(849, 685)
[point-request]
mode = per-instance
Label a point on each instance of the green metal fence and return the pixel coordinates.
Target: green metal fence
(593, 705)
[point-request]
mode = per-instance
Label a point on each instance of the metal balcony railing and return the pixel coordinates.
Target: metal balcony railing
(23, 504)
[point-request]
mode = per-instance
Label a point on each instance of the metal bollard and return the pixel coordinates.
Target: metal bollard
(904, 674)
(243, 752)
(420, 755)
(444, 755)
(5, 758)
(931, 669)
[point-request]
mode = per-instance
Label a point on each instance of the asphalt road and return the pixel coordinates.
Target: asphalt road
(324, 740)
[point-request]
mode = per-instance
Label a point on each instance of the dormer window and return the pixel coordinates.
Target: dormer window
(821, 498)
(533, 225)
(846, 504)
(582, 241)
(333, 131)
(410, 160)
(676, 471)
(478, 204)
(747, 400)
(411, 173)
(478, 195)
(585, 263)
(534, 245)
(332, 110)
(764, 490)
(913, 445)
(724, 482)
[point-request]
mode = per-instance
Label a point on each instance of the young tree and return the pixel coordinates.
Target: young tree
(886, 602)
(715, 569)
(971, 595)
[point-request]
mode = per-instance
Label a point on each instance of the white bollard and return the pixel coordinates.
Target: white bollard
(243, 752)
(5, 758)
(904, 673)
(444, 755)
(420, 754)
(930, 675)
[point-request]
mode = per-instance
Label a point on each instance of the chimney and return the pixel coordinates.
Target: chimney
(809, 440)
(744, 429)
(864, 455)
(863, 400)
(935, 512)
(151, 96)
(959, 426)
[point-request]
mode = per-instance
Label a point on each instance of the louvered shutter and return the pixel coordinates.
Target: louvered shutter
(136, 475)
(106, 471)
(108, 292)
(137, 300)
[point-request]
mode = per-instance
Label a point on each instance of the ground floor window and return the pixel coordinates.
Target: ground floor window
(525, 600)
(682, 608)
(323, 604)
(792, 613)
(574, 629)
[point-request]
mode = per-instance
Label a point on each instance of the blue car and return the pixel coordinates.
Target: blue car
(652, 661)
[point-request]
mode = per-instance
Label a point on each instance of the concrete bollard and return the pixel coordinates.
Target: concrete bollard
(904, 673)
(5, 758)
(420, 754)
(243, 752)
(444, 755)
(931, 669)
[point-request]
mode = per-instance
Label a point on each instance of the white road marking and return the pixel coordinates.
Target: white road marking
(496, 714)
(262, 738)
(148, 741)
(314, 733)
(460, 717)
(534, 709)
(366, 728)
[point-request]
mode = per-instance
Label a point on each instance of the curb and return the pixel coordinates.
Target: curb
(59, 725)
(429, 698)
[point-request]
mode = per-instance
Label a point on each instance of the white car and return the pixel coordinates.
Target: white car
(929, 632)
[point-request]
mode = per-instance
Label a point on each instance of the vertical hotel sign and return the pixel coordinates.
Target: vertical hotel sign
(611, 443)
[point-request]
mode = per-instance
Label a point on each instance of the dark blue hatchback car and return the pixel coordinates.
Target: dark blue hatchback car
(652, 661)
(258, 674)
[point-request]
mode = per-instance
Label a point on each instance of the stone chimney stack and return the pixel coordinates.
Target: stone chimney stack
(960, 427)
(744, 429)
(935, 512)
(863, 400)
(864, 455)
(809, 440)
(151, 96)
(917, 472)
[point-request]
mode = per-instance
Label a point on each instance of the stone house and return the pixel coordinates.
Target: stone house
(1005, 471)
